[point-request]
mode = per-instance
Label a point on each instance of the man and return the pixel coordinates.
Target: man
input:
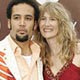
(19, 56)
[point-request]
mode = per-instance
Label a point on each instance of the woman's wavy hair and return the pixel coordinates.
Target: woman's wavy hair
(66, 35)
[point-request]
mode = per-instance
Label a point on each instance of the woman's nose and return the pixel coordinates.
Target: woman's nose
(47, 22)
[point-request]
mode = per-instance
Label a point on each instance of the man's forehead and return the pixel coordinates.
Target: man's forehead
(23, 9)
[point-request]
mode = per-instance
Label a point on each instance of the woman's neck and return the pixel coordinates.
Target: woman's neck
(55, 47)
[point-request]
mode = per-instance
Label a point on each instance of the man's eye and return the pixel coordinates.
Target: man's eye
(43, 18)
(28, 18)
(16, 18)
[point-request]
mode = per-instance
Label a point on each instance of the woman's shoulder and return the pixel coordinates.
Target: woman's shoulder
(76, 59)
(78, 47)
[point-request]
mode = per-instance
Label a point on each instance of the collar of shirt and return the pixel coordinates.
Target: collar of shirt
(35, 56)
(15, 48)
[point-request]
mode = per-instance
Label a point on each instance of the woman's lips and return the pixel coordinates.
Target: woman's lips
(47, 29)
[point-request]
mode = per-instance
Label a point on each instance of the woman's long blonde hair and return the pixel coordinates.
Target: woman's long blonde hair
(66, 35)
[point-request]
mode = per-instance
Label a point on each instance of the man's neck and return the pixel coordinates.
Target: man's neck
(25, 47)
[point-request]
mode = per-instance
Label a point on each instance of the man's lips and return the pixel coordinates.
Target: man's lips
(22, 31)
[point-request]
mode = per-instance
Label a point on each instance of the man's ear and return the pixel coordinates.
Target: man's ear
(0, 24)
(35, 25)
(9, 24)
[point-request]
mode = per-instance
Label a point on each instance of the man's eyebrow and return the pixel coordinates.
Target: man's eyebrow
(28, 15)
(20, 15)
(16, 15)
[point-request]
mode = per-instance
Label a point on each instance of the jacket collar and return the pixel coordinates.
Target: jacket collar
(10, 58)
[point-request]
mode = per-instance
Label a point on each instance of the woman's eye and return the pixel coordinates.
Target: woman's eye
(52, 19)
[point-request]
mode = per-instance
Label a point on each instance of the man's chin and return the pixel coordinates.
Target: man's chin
(21, 38)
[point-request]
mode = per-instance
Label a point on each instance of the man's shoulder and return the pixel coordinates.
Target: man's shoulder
(4, 44)
(4, 41)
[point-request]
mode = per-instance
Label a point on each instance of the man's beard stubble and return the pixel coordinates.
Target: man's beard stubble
(22, 39)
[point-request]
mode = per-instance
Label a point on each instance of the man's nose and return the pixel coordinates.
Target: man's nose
(22, 22)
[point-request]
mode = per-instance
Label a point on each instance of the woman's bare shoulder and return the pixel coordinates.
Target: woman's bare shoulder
(78, 47)
(76, 59)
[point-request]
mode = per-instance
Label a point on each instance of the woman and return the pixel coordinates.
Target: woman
(60, 54)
